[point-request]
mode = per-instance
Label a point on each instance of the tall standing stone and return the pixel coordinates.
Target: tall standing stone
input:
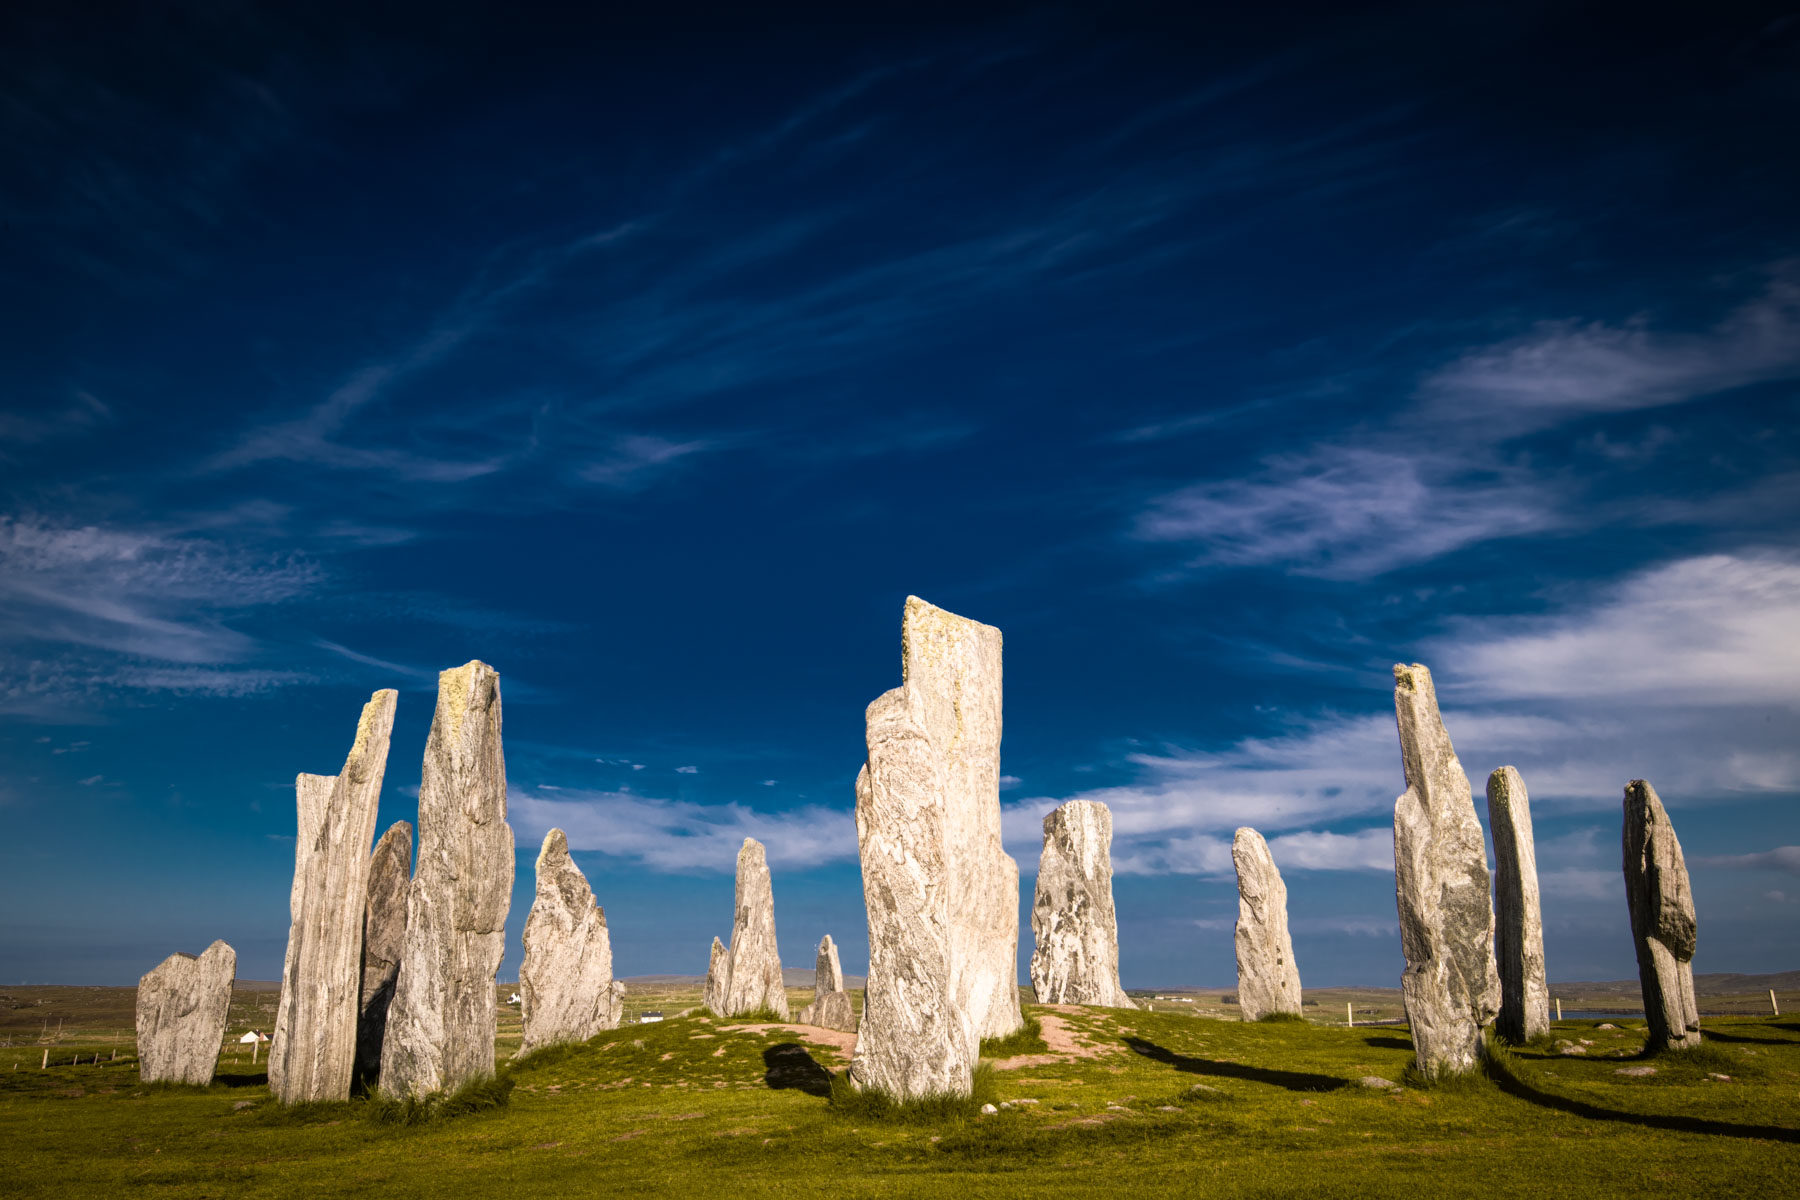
(440, 1031)
(753, 981)
(1268, 976)
(1450, 986)
(384, 940)
(941, 893)
(718, 975)
(1663, 928)
(1518, 918)
(312, 1054)
(181, 1010)
(831, 1007)
(566, 982)
(1076, 957)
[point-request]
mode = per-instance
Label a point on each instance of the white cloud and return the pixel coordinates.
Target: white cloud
(687, 770)
(677, 835)
(1785, 859)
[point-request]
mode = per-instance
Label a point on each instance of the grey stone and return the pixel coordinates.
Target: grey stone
(384, 939)
(1268, 977)
(566, 979)
(940, 891)
(1450, 987)
(312, 1052)
(1636, 1072)
(1076, 956)
(1376, 1081)
(828, 974)
(1663, 928)
(753, 979)
(1518, 918)
(718, 973)
(181, 1009)
(830, 1010)
(440, 1032)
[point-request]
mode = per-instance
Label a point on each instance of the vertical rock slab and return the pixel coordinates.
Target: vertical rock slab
(440, 1031)
(718, 976)
(1268, 976)
(384, 940)
(916, 1039)
(1450, 986)
(1663, 928)
(312, 1053)
(1076, 957)
(181, 1009)
(832, 1007)
(1518, 916)
(566, 981)
(754, 978)
(828, 974)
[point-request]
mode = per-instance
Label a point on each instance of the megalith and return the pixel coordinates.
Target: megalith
(312, 1053)
(1518, 916)
(753, 965)
(1268, 977)
(384, 938)
(718, 973)
(440, 1031)
(181, 1010)
(1663, 929)
(942, 894)
(565, 982)
(1076, 957)
(832, 1007)
(1450, 986)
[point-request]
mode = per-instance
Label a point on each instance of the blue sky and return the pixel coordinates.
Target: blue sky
(1221, 362)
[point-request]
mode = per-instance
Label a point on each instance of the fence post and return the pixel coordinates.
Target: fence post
(1349, 1014)
(1776, 1007)
(46, 1063)
(1559, 1009)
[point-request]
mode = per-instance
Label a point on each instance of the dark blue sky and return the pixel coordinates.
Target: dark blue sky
(1220, 361)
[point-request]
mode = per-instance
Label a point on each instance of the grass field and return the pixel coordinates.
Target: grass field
(1160, 1103)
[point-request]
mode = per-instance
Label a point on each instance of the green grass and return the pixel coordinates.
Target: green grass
(849, 1103)
(1165, 1104)
(1275, 1018)
(1026, 1039)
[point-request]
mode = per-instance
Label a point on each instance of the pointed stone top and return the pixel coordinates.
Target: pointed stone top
(718, 946)
(459, 685)
(1248, 837)
(556, 845)
(1092, 810)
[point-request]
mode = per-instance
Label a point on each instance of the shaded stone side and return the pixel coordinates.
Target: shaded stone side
(1073, 923)
(566, 980)
(312, 1053)
(832, 1007)
(1663, 927)
(1268, 976)
(828, 973)
(1450, 986)
(753, 980)
(440, 1031)
(181, 1009)
(718, 975)
(1518, 916)
(384, 940)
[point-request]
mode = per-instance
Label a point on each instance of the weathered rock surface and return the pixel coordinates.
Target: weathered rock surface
(753, 964)
(312, 1053)
(440, 1031)
(1663, 928)
(1518, 918)
(718, 974)
(1450, 985)
(565, 982)
(832, 1007)
(181, 1008)
(1268, 977)
(1076, 957)
(384, 939)
(941, 894)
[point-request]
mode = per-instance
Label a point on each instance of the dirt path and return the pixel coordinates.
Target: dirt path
(841, 1043)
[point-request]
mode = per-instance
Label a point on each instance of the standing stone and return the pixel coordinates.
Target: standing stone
(1518, 919)
(753, 980)
(941, 892)
(1450, 986)
(384, 939)
(441, 1023)
(831, 1007)
(312, 1053)
(566, 982)
(1076, 959)
(718, 974)
(1268, 976)
(1662, 920)
(181, 1008)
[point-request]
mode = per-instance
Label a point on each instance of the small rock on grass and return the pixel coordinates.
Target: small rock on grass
(987, 1109)
(1376, 1081)
(1605, 1025)
(1637, 1071)
(1719, 1077)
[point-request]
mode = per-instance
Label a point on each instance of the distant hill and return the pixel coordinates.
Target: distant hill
(1717, 984)
(797, 977)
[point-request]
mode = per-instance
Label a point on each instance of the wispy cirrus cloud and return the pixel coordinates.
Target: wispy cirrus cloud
(1785, 859)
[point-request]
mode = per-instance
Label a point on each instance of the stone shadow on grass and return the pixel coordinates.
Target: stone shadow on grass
(1388, 1043)
(789, 1065)
(1712, 1036)
(1293, 1081)
(1516, 1087)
